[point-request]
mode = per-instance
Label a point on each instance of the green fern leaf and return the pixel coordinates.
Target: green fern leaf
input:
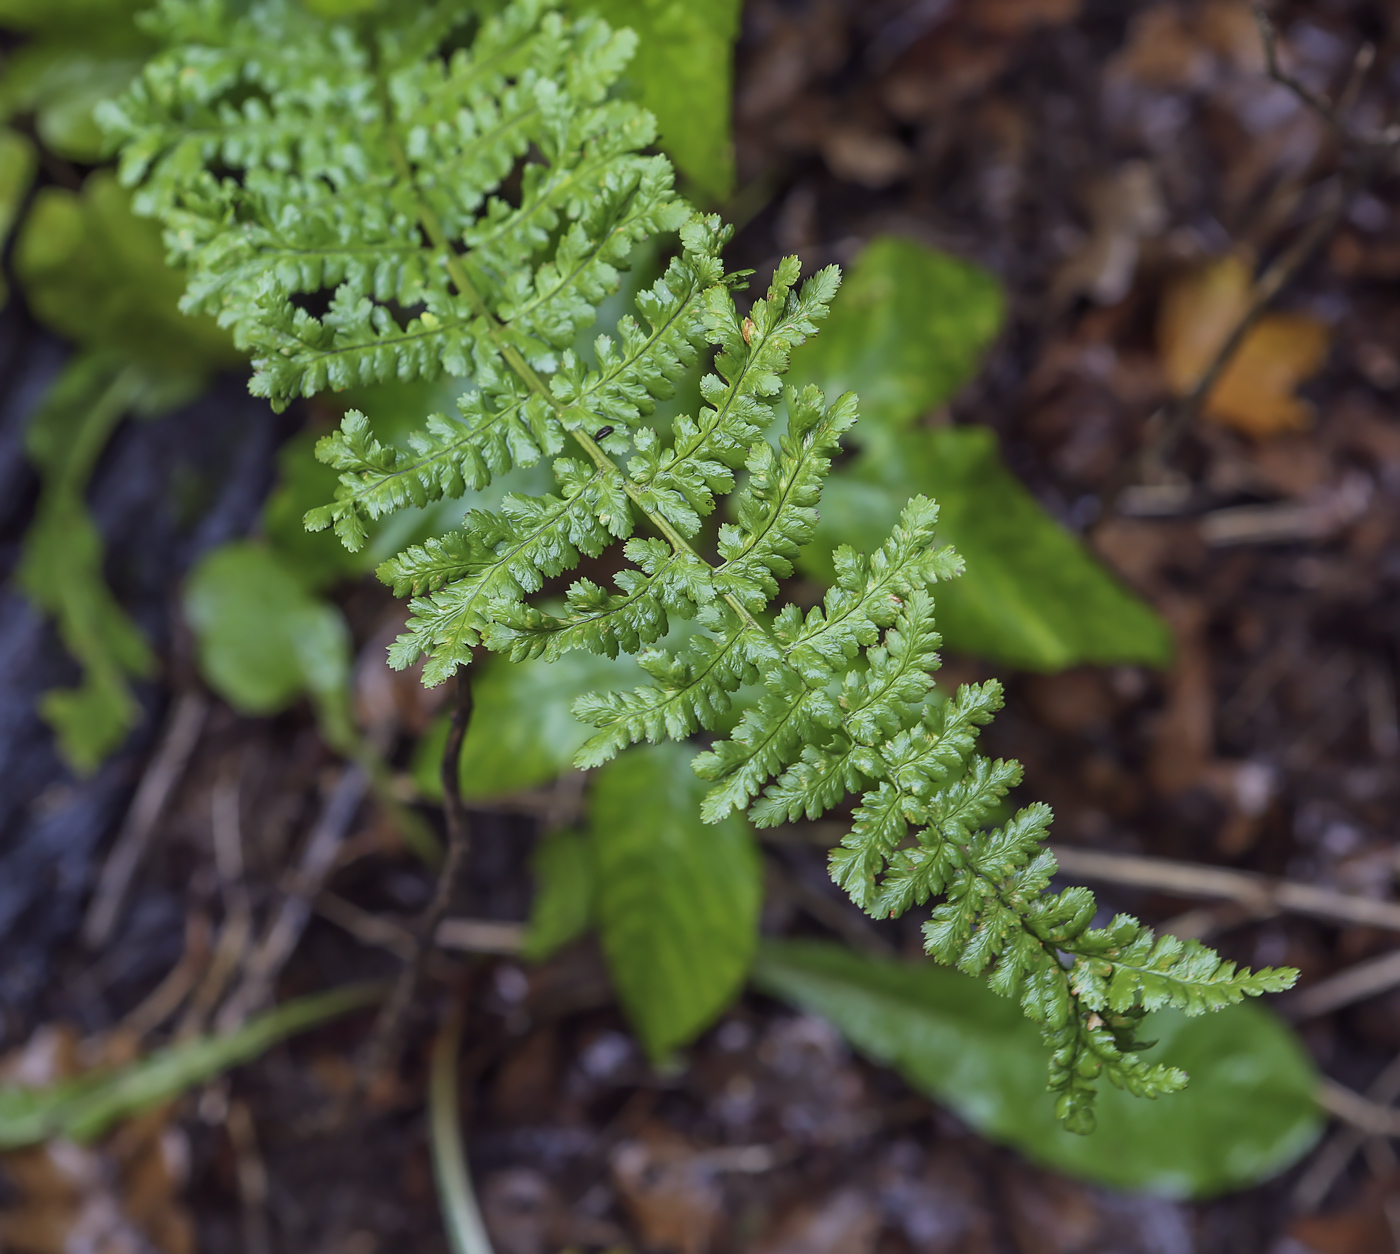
(359, 170)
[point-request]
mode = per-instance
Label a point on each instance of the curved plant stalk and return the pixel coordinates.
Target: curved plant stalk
(466, 1233)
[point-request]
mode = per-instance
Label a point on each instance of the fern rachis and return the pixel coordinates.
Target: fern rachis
(288, 156)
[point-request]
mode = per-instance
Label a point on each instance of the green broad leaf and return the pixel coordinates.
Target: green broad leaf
(684, 73)
(85, 1108)
(1032, 595)
(96, 274)
(906, 331)
(523, 731)
(565, 893)
(678, 900)
(264, 640)
(60, 566)
(1247, 1115)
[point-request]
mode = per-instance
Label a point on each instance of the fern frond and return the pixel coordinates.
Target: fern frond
(358, 170)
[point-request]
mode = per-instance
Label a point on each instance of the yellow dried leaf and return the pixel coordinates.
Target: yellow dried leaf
(1256, 393)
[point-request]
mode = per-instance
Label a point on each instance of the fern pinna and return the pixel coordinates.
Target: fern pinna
(290, 156)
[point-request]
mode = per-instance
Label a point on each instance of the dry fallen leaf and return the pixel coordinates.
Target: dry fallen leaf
(120, 1197)
(866, 157)
(1173, 48)
(1256, 393)
(846, 1222)
(669, 1190)
(1360, 1228)
(1019, 17)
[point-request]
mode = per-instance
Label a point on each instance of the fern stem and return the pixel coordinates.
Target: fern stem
(466, 1233)
(385, 1044)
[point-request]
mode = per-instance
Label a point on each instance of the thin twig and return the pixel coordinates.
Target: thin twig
(1364, 151)
(470, 936)
(166, 998)
(1332, 112)
(157, 785)
(386, 1042)
(226, 829)
(1356, 983)
(1262, 895)
(1332, 1159)
(365, 927)
(481, 936)
(1360, 1112)
(282, 936)
(466, 1233)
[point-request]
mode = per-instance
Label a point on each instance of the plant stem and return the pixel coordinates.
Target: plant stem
(388, 1030)
(466, 1234)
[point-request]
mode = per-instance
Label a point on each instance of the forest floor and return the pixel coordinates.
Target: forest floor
(1090, 153)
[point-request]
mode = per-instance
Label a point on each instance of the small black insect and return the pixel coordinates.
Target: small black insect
(602, 433)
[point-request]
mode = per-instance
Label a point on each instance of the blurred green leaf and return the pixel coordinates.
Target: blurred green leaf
(60, 567)
(302, 484)
(1032, 595)
(80, 52)
(678, 899)
(18, 160)
(339, 9)
(684, 72)
(86, 1107)
(1247, 1115)
(565, 892)
(263, 640)
(70, 19)
(523, 732)
(906, 331)
(96, 274)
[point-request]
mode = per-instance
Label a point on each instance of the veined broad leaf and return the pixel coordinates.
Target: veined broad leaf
(684, 73)
(907, 331)
(18, 161)
(1031, 595)
(78, 52)
(1248, 1114)
(566, 891)
(677, 900)
(60, 569)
